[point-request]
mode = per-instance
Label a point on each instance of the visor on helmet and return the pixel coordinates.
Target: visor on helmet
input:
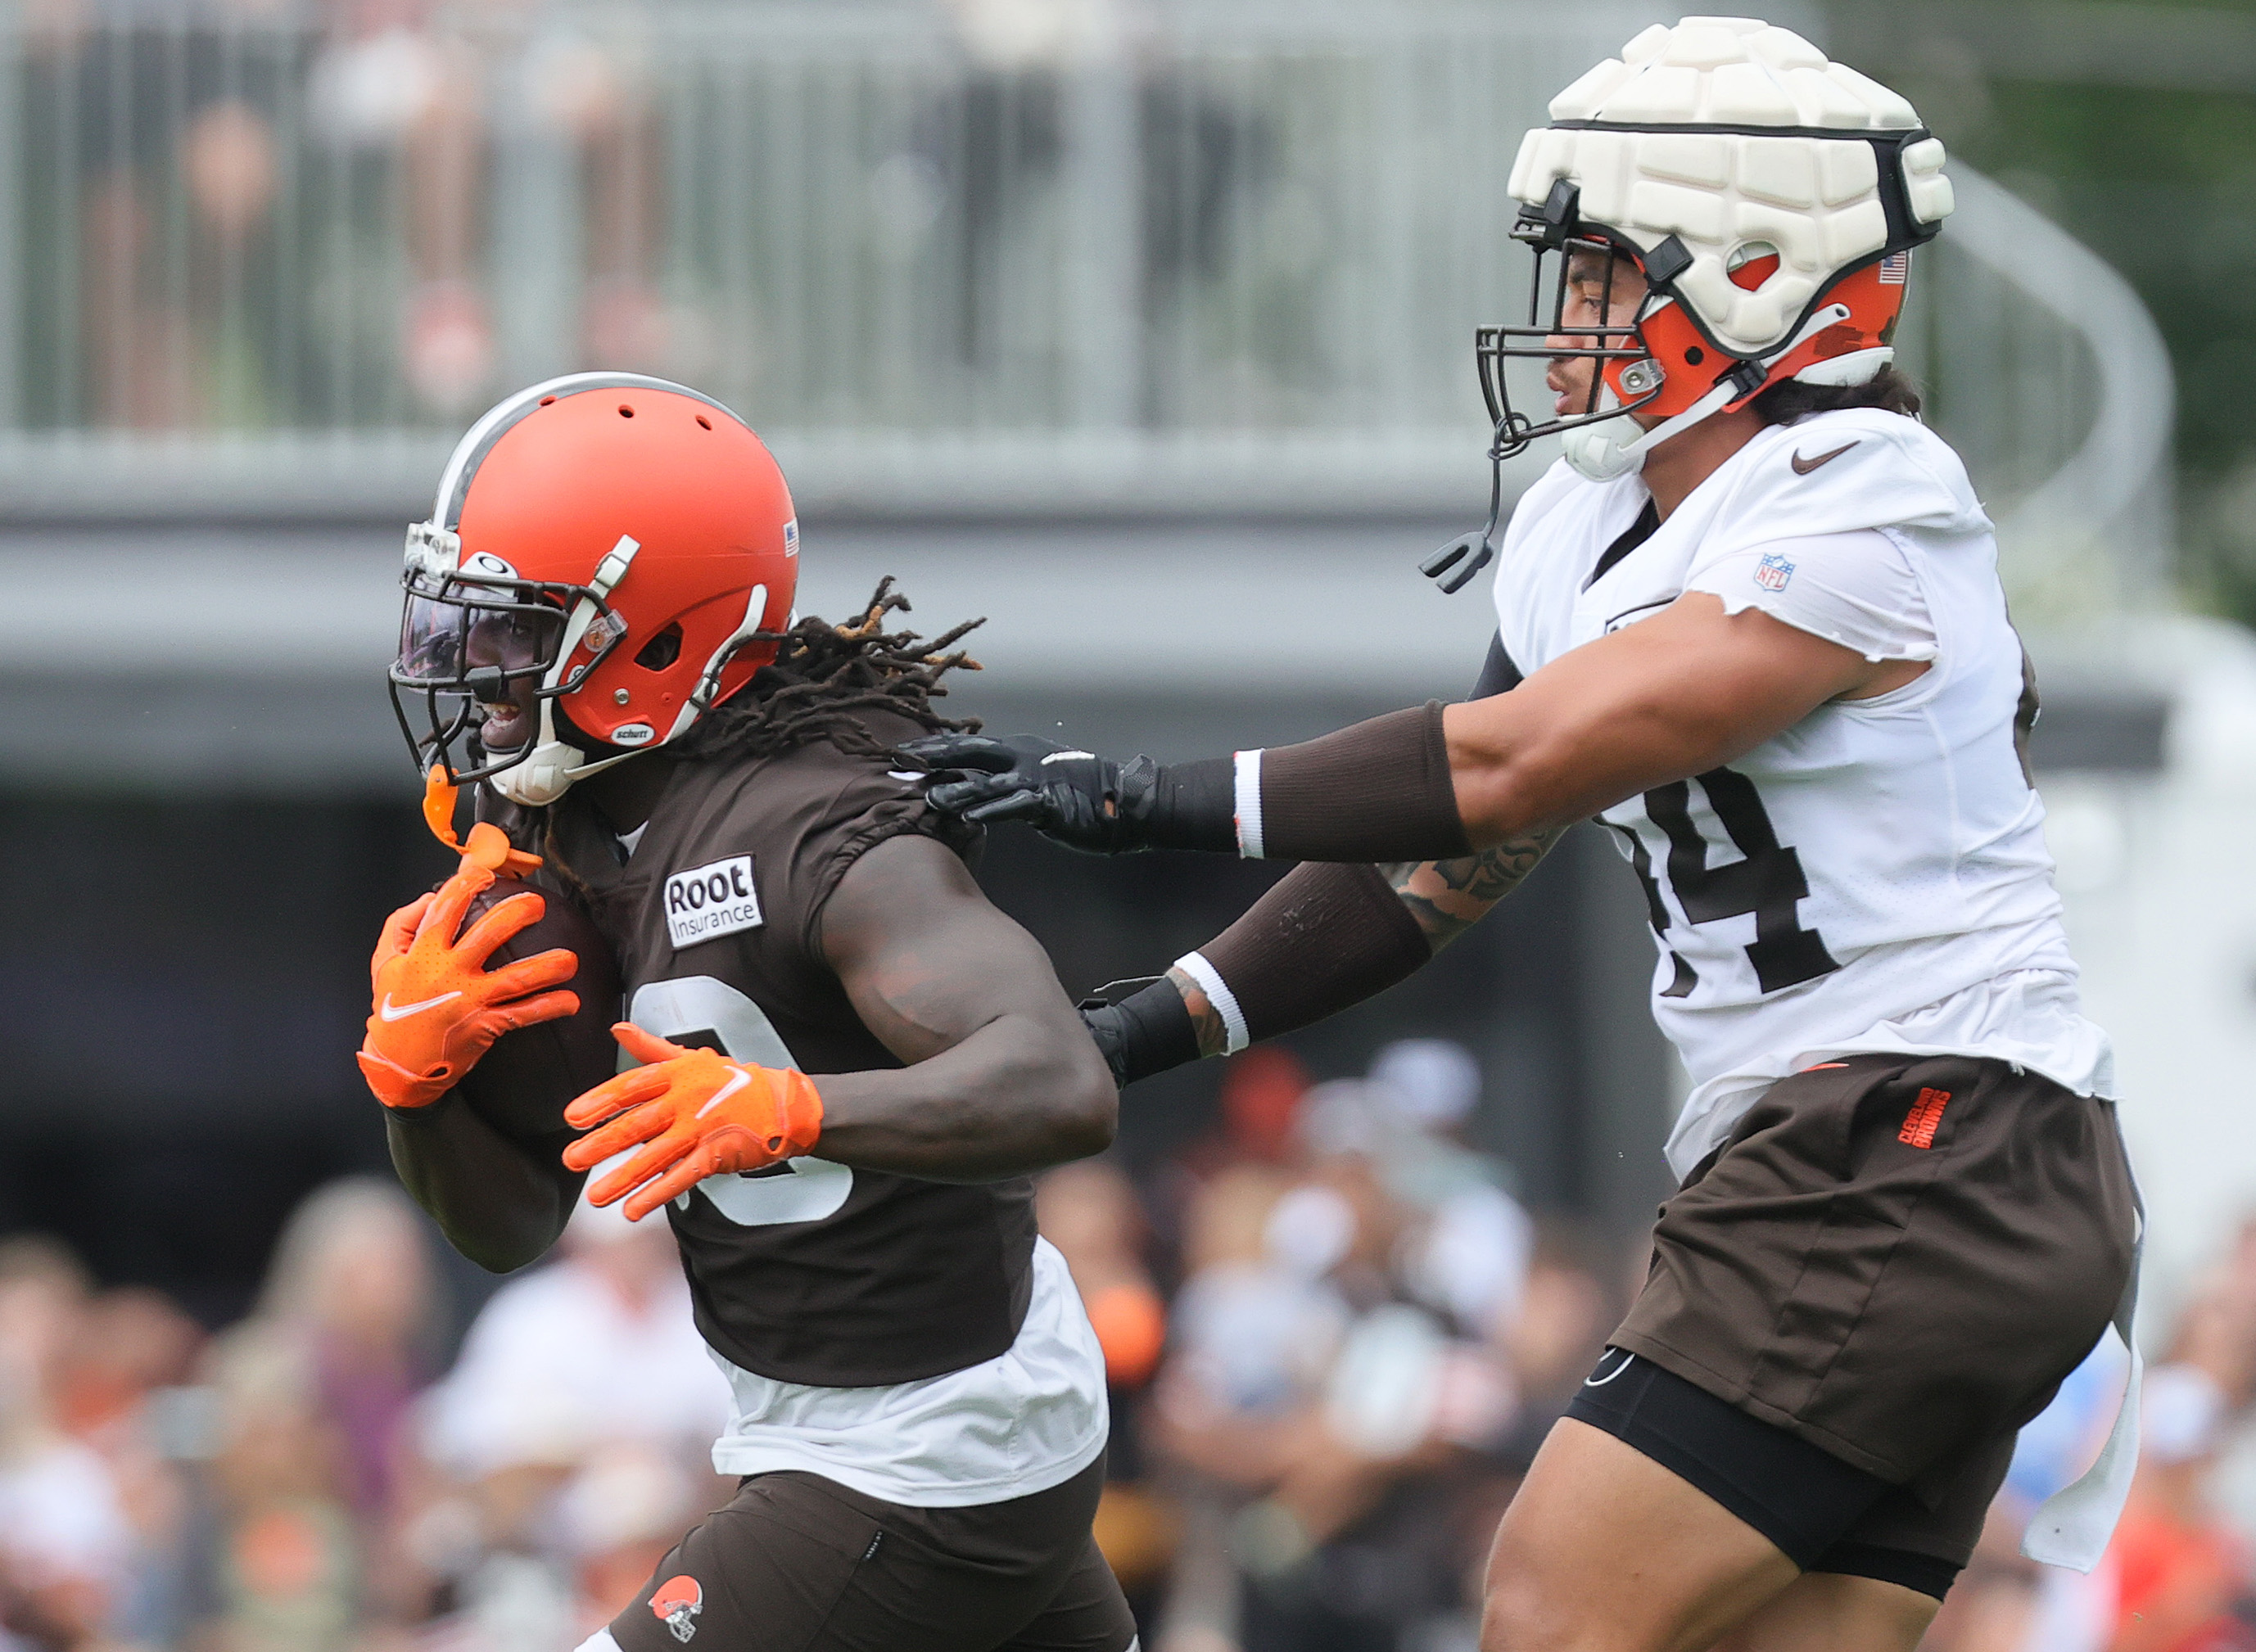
(466, 643)
(441, 642)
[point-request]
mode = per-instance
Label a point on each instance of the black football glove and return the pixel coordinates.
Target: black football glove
(1107, 1030)
(1140, 1027)
(1084, 801)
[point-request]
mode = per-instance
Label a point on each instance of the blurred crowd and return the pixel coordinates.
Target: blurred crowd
(1365, 1338)
(300, 1482)
(261, 214)
(1333, 1340)
(200, 140)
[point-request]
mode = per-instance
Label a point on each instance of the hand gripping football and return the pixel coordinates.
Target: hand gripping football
(529, 1074)
(475, 961)
(437, 1006)
(526, 1079)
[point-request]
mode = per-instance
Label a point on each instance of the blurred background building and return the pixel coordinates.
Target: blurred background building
(1140, 328)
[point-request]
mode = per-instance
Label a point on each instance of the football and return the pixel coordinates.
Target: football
(523, 1084)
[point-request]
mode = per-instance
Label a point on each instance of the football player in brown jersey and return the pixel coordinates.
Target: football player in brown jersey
(849, 1061)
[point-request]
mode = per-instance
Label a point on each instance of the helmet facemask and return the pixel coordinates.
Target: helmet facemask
(1568, 256)
(480, 646)
(1623, 379)
(1656, 359)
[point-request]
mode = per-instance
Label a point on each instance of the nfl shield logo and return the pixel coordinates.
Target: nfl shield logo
(1773, 572)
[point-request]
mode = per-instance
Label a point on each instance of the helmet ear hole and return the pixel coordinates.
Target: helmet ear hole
(1751, 264)
(662, 650)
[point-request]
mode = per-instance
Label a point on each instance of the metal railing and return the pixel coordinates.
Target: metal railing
(2048, 372)
(1079, 254)
(845, 215)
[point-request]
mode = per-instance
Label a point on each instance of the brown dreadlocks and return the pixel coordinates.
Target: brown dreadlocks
(824, 673)
(821, 676)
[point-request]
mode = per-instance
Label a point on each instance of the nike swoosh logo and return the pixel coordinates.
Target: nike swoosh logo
(1803, 467)
(727, 1090)
(1628, 1359)
(390, 1011)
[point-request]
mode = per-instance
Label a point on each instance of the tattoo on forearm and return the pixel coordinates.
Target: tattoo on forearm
(1448, 898)
(1213, 1032)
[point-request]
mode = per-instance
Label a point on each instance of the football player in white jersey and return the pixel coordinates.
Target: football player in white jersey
(1751, 623)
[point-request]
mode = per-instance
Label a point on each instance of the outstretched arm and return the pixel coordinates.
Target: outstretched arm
(1344, 934)
(1324, 938)
(1459, 803)
(1671, 696)
(1327, 937)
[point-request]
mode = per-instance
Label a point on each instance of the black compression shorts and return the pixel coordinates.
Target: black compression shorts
(1823, 1513)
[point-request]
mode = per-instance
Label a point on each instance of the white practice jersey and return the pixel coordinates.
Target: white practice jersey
(1876, 876)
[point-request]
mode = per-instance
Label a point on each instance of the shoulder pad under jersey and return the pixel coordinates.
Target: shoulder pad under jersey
(1838, 472)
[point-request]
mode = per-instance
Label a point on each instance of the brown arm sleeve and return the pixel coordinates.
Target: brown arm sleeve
(1324, 938)
(1376, 790)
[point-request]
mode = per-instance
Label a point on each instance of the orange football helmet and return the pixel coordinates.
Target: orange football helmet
(615, 547)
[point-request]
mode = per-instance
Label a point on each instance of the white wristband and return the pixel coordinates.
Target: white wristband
(1247, 799)
(1218, 994)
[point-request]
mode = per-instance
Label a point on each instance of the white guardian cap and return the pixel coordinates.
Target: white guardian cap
(1770, 199)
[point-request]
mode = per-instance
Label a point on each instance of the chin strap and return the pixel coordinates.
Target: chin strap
(708, 680)
(549, 770)
(1596, 454)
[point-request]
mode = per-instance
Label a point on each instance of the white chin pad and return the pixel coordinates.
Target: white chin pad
(1592, 450)
(1858, 366)
(543, 776)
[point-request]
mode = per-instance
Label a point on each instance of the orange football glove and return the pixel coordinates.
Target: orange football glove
(437, 1007)
(702, 1114)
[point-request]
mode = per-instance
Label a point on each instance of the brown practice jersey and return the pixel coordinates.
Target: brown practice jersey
(807, 1272)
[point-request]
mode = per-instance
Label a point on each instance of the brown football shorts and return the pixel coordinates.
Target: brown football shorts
(799, 1564)
(1896, 1260)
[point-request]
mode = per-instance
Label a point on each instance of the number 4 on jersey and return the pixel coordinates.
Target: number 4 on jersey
(1766, 881)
